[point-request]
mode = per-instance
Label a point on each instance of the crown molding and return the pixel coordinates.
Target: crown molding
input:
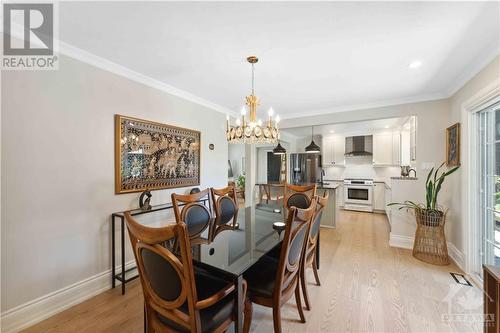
(356, 107)
(74, 52)
(107, 65)
(472, 70)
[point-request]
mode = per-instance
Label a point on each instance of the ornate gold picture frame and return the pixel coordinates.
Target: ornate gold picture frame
(453, 145)
(151, 155)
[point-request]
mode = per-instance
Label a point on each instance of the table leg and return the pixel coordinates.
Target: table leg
(123, 254)
(238, 319)
(113, 284)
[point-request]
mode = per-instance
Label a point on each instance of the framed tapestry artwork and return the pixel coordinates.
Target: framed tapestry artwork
(453, 145)
(153, 156)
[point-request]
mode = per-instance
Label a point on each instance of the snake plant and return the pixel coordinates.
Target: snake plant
(433, 185)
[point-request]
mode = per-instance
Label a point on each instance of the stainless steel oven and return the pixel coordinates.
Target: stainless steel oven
(358, 194)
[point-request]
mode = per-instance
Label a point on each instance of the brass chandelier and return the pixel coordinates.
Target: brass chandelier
(253, 130)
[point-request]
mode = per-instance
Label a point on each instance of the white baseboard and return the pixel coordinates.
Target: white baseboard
(456, 256)
(404, 242)
(30, 313)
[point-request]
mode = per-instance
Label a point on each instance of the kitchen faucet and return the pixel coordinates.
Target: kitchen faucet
(414, 172)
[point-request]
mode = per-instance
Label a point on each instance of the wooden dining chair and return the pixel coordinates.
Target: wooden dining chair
(272, 282)
(299, 196)
(271, 192)
(196, 211)
(177, 298)
(226, 210)
(310, 254)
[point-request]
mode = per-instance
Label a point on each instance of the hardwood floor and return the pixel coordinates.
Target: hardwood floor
(367, 286)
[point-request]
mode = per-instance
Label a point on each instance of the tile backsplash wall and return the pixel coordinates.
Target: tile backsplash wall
(361, 167)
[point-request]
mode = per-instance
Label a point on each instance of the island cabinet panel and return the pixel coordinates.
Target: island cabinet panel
(330, 213)
(491, 278)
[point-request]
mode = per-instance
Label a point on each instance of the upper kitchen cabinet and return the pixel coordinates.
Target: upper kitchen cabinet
(333, 150)
(413, 138)
(408, 141)
(387, 148)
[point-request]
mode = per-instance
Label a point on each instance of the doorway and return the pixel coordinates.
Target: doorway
(273, 167)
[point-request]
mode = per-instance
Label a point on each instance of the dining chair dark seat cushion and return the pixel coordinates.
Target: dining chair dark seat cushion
(298, 200)
(228, 209)
(158, 270)
(197, 219)
(275, 252)
(261, 276)
(213, 316)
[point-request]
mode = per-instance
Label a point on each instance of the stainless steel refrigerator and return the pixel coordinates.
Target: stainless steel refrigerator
(305, 168)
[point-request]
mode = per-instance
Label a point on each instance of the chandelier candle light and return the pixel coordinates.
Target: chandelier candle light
(253, 131)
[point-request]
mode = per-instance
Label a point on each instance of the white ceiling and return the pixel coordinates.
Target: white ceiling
(349, 128)
(315, 57)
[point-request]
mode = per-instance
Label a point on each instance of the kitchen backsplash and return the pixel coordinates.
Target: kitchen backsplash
(361, 167)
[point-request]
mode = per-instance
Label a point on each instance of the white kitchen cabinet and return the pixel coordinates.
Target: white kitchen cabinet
(388, 199)
(405, 146)
(327, 151)
(409, 141)
(396, 148)
(413, 138)
(339, 150)
(386, 148)
(333, 150)
(379, 196)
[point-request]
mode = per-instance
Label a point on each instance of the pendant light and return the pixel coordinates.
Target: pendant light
(313, 147)
(279, 150)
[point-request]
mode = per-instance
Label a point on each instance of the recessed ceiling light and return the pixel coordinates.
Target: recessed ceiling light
(332, 132)
(415, 64)
(386, 126)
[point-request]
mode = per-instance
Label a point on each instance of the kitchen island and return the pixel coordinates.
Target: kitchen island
(331, 212)
(275, 192)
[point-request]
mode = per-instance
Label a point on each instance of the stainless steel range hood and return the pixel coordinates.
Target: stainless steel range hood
(359, 145)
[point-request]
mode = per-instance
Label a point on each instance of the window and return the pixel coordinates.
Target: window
(489, 185)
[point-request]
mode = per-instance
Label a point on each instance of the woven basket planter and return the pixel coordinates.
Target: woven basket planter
(430, 242)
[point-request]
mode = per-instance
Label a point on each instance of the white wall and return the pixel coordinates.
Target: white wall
(459, 203)
(236, 153)
(58, 170)
(300, 144)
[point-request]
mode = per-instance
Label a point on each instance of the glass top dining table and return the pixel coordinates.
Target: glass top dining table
(234, 251)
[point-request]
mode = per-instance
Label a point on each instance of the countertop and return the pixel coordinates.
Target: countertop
(375, 180)
(404, 178)
(330, 186)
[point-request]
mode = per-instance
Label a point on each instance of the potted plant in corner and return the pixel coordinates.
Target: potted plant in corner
(430, 242)
(240, 186)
